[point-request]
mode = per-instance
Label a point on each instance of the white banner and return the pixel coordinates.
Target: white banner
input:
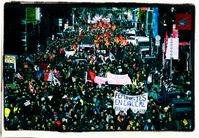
(100, 80)
(86, 45)
(123, 102)
(69, 53)
(118, 79)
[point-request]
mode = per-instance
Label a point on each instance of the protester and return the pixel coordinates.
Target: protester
(55, 89)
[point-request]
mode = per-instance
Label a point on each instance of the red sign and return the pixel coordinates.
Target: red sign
(143, 8)
(183, 21)
(174, 32)
(183, 43)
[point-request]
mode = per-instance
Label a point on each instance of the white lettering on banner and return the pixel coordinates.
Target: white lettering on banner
(100, 80)
(123, 102)
(118, 79)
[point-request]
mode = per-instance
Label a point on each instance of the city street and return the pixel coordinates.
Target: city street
(98, 67)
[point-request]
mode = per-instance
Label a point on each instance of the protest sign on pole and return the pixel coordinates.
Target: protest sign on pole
(172, 50)
(123, 102)
(183, 21)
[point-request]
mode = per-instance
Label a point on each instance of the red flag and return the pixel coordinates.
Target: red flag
(183, 21)
(90, 76)
(46, 74)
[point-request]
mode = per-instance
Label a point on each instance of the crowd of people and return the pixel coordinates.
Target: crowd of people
(50, 90)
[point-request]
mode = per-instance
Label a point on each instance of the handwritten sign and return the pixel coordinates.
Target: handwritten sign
(123, 102)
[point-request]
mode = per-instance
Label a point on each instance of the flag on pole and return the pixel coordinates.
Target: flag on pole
(183, 21)
(50, 76)
(19, 76)
(90, 76)
(46, 74)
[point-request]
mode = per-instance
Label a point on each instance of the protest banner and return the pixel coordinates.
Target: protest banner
(100, 80)
(118, 79)
(123, 102)
(172, 50)
(69, 53)
(86, 46)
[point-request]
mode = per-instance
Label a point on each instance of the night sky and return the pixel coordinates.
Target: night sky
(14, 12)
